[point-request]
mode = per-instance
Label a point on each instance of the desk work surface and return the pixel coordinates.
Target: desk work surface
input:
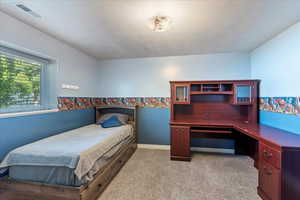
(278, 137)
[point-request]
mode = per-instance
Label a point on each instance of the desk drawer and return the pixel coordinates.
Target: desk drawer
(269, 180)
(270, 155)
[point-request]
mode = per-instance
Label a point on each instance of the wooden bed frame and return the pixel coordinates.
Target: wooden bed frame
(21, 190)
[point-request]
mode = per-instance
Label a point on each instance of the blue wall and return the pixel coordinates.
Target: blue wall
(286, 122)
(153, 128)
(149, 77)
(17, 131)
(277, 64)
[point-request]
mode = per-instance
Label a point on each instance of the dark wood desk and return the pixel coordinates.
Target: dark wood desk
(229, 109)
(276, 152)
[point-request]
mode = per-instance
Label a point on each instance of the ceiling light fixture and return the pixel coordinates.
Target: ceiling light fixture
(160, 23)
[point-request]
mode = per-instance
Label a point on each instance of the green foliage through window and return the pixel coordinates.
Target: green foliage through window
(20, 82)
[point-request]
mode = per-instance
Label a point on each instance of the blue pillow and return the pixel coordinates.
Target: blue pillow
(3, 172)
(111, 122)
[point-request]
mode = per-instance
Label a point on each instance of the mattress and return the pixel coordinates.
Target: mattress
(70, 158)
(62, 175)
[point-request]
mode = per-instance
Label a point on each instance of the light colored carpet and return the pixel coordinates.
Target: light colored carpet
(150, 175)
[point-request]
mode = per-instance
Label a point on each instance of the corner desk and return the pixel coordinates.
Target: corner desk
(276, 153)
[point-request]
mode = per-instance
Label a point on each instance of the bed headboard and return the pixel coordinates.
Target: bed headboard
(128, 110)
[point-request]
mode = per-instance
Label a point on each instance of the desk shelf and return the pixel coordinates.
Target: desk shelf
(212, 92)
(211, 131)
(212, 88)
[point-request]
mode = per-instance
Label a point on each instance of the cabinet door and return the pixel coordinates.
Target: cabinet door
(180, 142)
(269, 180)
(242, 94)
(181, 94)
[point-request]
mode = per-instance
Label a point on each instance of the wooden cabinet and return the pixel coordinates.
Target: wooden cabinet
(215, 100)
(180, 143)
(229, 108)
(243, 94)
(269, 181)
(181, 93)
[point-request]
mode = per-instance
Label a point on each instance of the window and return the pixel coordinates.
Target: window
(23, 82)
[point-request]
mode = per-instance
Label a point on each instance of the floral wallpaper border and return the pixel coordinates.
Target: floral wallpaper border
(76, 103)
(287, 105)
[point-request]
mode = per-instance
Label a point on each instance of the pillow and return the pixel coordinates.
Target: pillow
(111, 122)
(122, 117)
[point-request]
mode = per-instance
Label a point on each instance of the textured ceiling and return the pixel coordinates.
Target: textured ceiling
(113, 29)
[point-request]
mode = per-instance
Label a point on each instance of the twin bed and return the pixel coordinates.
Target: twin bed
(77, 164)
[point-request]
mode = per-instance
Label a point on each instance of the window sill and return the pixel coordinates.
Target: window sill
(19, 114)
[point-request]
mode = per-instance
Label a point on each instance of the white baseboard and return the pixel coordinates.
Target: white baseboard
(154, 146)
(196, 149)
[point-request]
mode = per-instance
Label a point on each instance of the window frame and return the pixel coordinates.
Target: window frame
(44, 105)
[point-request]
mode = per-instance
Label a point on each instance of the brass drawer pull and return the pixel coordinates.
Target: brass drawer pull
(267, 154)
(268, 171)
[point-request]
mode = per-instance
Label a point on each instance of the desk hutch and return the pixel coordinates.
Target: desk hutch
(229, 109)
